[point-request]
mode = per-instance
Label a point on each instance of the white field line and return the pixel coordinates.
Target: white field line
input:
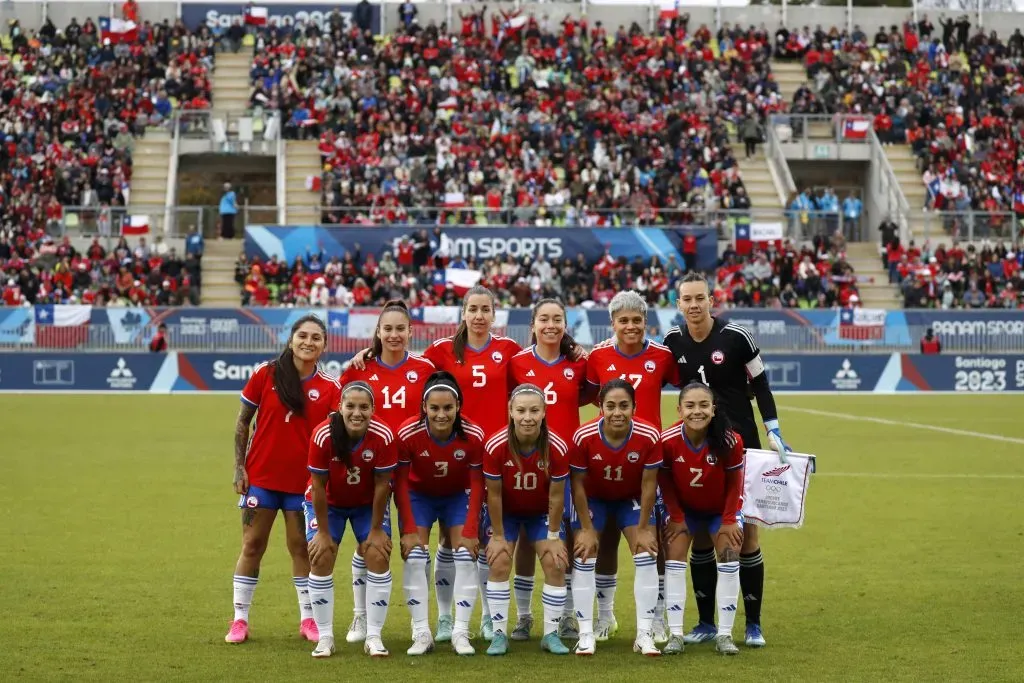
(916, 475)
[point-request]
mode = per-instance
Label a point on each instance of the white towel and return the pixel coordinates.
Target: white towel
(774, 493)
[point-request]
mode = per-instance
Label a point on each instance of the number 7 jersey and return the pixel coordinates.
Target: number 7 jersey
(648, 371)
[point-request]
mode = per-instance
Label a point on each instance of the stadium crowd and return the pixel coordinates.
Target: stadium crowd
(956, 98)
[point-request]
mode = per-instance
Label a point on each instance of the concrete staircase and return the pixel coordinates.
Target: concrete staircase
(790, 76)
(866, 262)
(302, 159)
(757, 179)
(231, 84)
(219, 287)
(904, 167)
(150, 163)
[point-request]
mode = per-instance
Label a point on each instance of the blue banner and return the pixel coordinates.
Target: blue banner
(87, 372)
(289, 242)
(220, 15)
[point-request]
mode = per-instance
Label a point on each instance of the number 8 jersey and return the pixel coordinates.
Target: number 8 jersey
(397, 389)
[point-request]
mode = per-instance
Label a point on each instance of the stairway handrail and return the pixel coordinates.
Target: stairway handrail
(281, 169)
(891, 186)
(171, 193)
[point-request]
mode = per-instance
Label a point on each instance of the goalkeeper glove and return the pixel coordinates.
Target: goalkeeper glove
(775, 439)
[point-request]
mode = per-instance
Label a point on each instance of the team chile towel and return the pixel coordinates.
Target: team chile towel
(774, 493)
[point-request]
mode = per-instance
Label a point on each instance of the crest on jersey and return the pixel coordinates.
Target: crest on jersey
(717, 357)
(313, 394)
(633, 456)
(313, 524)
(367, 455)
(497, 357)
(649, 366)
(412, 376)
(459, 454)
(711, 459)
(569, 374)
(252, 501)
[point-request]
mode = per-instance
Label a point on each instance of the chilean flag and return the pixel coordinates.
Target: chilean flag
(744, 245)
(256, 16)
(862, 324)
(62, 327)
(462, 279)
(856, 129)
(135, 225)
(118, 30)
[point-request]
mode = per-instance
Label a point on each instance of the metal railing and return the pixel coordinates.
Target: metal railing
(778, 163)
(252, 132)
(112, 221)
(270, 339)
(965, 226)
(817, 133)
(890, 200)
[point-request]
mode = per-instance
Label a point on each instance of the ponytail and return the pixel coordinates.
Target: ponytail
(543, 438)
(392, 306)
(287, 383)
(341, 440)
(461, 337)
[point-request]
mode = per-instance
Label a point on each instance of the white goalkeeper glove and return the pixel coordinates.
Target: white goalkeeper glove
(775, 439)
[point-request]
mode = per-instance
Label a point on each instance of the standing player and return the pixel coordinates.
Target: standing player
(552, 363)
(440, 456)
(351, 461)
(287, 396)
(615, 481)
(702, 485)
(648, 366)
(725, 357)
(526, 466)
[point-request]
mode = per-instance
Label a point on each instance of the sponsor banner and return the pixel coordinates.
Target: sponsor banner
(17, 326)
(969, 373)
(87, 372)
(220, 15)
(832, 372)
(977, 325)
(289, 242)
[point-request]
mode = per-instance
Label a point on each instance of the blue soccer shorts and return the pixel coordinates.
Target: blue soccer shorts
(621, 513)
(449, 510)
(267, 499)
(533, 527)
(358, 517)
(697, 522)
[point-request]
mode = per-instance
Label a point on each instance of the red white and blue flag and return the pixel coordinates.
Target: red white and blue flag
(862, 323)
(62, 326)
(856, 129)
(749, 236)
(118, 30)
(256, 16)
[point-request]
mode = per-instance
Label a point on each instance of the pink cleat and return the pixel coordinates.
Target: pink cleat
(309, 631)
(239, 632)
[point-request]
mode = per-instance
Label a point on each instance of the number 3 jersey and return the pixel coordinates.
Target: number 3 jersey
(615, 473)
(397, 389)
(352, 486)
(648, 371)
(524, 485)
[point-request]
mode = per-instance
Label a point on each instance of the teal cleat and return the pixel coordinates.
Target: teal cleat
(445, 623)
(499, 645)
(487, 629)
(553, 644)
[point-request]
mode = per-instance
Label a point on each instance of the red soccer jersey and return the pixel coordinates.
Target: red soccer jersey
(563, 383)
(352, 487)
(615, 473)
(276, 459)
(524, 490)
(648, 371)
(694, 480)
(397, 390)
(482, 377)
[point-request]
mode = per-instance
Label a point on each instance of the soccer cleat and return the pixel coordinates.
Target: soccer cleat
(522, 629)
(308, 630)
(676, 646)
(487, 629)
(644, 644)
(462, 646)
(568, 627)
(605, 629)
(701, 633)
(553, 644)
(374, 647)
(725, 646)
(324, 647)
(238, 633)
(660, 632)
(587, 645)
(444, 628)
(357, 631)
(422, 643)
(754, 636)
(499, 645)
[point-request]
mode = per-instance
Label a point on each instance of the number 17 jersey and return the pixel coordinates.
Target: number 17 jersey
(648, 371)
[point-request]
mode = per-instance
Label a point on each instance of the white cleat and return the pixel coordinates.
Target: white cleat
(660, 632)
(725, 646)
(374, 647)
(324, 647)
(357, 631)
(461, 645)
(422, 643)
(605, 629)
(644, 644)
(586, 646)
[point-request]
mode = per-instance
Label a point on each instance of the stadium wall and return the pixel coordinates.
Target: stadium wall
(198, 373)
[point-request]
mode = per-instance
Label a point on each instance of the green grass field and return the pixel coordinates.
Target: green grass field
(120, 534)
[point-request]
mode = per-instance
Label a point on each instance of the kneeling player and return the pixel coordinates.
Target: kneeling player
(352, 459)
(702, 486)
(615, 479)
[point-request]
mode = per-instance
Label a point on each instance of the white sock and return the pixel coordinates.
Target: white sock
(465, 589)
(569, 603)
(414, 588)
(553, 598)
(483, 571)
(244, 587)
(675, 595)
(645, 589)
(522, 587)
(378, 596)
(321, 598)
(659, 608)
(302, 590)
(605, 584)
(583, 593)
(444, 579)
(358, 584)
(498, 599)
(726, 591)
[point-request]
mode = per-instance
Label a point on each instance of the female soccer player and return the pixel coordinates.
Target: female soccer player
(287, 396)
(702, 485)
(440, 456)
(724, 356)
(615, 481)
(648, 366)
(526, 466)
(351, 460)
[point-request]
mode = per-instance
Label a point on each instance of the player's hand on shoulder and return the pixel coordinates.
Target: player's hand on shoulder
(579, 353)
(359, 360)
(241, 481)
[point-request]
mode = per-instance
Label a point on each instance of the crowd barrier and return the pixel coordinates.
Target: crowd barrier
(174, 372)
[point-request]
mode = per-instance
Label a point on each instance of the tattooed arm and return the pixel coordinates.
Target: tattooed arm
(245, 415)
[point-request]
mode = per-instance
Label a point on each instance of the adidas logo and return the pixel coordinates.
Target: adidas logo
(321, 601)
(597, 456)
(579, 614)
(359, 582)
(611, 368)
(497, 616)
(442, 582)
(384, 603)
(675, 608)
(729, 608)
(425, 454)
(463, 603)
(531, 373)
(682, 359)
(509, 463)
(373, 378)
(412, 602)
(681, 459)
(750, 597)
